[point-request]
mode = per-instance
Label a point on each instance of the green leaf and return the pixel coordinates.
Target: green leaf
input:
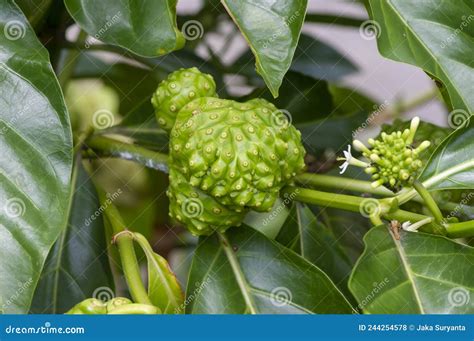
(147, 28)
(272, 31)
(77, 266)
(317, 244)
(34, 10)
(452, 164)
(334, 132)
(312, 58)
(151, 136)
(419, 273)
(245, 272)
(35, 162)
(325, 118)
(305, 98)
(433, 35)
(163, 287)
(319, 60)
(333, 19)
(268, 223)
(347, 100)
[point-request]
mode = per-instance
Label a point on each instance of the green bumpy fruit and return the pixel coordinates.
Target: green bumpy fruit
(227, 158)
(177, 90)
(90, 306)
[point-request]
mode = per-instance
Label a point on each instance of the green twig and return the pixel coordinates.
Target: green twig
(125, 245)
(461, 230)
(70, 61)
(106, 146)
(429, 201)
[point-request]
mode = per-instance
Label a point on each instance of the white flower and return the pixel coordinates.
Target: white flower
(350, 160)
(347, 157)
(408, 226)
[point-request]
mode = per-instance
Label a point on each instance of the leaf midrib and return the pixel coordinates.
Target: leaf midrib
(245, 288)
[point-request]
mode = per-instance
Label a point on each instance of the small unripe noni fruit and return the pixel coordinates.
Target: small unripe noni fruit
(180, 88)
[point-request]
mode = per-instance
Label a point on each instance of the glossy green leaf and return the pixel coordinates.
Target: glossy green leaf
(147, 28)
(317, 244)
(304, 98)
(433, 35)
(452, 164)
(312, 58)
(77, 266)
(268, 223)
(419, 273)
(272, 30)
(347, 100)
(245, 272)
(324, 116)
(163, 287)
(34, 10)
(35, 159)
(333, 19)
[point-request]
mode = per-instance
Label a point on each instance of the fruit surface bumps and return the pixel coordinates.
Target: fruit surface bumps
(226, 157)
(181, 87)
(239, 154)
(196, 210)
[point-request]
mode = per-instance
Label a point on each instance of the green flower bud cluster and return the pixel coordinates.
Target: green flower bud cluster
(393, 161)
(115, 306)
(227, 158)
(178, 89)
